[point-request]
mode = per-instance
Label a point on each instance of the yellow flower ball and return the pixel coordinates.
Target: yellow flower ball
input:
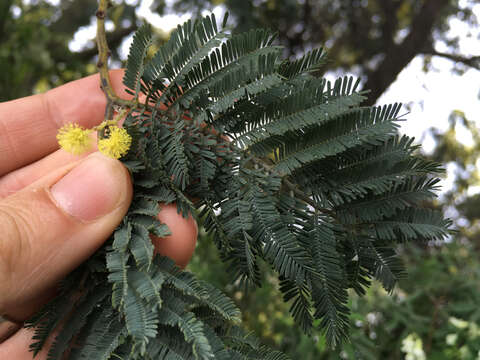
(117, 144)
(74, 139)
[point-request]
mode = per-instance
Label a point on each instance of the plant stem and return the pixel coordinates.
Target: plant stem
(102, 64)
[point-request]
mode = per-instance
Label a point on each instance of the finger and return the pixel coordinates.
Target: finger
(180, 245)
(53, 225)
(8, 328)
(17, 346)
(21, 178)
(34, 120)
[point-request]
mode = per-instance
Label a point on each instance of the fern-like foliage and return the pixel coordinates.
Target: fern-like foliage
(283, 167)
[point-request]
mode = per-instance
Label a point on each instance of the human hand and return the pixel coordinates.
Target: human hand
(56, 209)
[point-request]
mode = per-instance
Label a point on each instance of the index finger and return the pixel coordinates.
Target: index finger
(28, 126)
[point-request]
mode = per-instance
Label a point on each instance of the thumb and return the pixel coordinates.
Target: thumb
(53, 225)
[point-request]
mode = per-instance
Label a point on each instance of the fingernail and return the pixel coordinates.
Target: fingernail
(92, 189)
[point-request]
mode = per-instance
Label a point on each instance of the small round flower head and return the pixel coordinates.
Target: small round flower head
(74, 139)
(117, 144)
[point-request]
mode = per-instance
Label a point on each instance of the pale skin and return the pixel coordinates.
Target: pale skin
(57, 209)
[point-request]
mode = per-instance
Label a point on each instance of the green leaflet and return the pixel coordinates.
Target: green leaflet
(167, 346)
(191, 328)
(311, 61)
(135, 63)
(72, 327)
(301, 305)
(281, 248)
(366, 126)
(400, 196)
(411, 223)
(329, 287)
(141, 322)
(184, 42)
(104, 336)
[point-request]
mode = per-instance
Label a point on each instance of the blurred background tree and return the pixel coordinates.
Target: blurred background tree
(433, 314)
(35, 38)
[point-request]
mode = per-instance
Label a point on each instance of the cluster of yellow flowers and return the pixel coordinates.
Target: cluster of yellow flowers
(117, 144)
(77, 140)
(74, 139)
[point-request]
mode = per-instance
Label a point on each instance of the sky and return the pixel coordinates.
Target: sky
(431, 97)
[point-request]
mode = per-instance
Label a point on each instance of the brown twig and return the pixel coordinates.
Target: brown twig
(102, 64)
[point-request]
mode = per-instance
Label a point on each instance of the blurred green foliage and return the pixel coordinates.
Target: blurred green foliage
(34, 43)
